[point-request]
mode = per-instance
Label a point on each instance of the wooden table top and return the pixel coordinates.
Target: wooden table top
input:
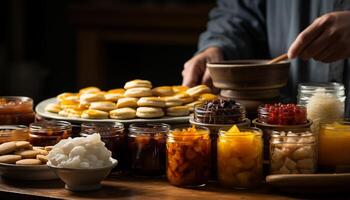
(134, 188)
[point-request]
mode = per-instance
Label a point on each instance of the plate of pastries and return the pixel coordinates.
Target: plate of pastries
(137, 101)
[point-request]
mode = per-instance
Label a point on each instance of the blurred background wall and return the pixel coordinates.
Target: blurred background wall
(49, 47)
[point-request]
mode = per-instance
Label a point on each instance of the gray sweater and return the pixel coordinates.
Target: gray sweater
(266, 28)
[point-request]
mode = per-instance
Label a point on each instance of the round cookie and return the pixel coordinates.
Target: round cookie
(103, 105)
(149, 112)
(27, 153)
(178, 111)
(179, 88)
(163, 91)
(48, 148)
(151, 102)
(197, 90)
(127, 102)
(123, 113)
(7, 147)
(138, 83)
(138, 92)
(172, 101)
(91, 97)
(23, 145)
(89, 90)
(53, 107)
(207, 97)
(94, 114)
(68, 96)
(113, 96)
(29, 162)
(42, 152)
(184, 97)
(10, 159)
(42, 158)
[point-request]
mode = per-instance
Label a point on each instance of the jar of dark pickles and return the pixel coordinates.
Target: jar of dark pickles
(16, 110)
(146, 145)
(49, 133)
(112, 134)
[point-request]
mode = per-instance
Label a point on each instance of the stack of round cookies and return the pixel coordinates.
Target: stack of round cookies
(136, 99)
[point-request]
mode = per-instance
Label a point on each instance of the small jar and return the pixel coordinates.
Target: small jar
(293, 152)
(112, 134)
(232, 115)
(324, 102)
(282, 114)
(146, 146)
(49, 133)
(240, 158)
(10, 133)
(16, 110)
(188, 156)
(334, 146)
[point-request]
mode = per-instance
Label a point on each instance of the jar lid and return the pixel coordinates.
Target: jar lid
(51, 125)
(144, 128)
(330, 86)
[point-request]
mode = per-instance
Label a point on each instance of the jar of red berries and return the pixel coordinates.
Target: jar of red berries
(280, 117)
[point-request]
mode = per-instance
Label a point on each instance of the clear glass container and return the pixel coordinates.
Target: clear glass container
(49, 133)
(219, 116)
(293, 152)
(15, 110)
(10, 133)
(325, 102)
(240, 158)
(188, 156)
(334, 145)
(112, 134)
(146, 146)
(282, 114)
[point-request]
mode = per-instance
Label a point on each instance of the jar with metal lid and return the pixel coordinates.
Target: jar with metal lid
(10, 133)
(188, 156)
(324, 102)
(240, 158)
(112, 134)
(49, 133)
(293, 152)
(15, 110)
(146, 147)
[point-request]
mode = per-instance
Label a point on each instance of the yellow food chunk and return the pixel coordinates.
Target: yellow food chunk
(233, 129)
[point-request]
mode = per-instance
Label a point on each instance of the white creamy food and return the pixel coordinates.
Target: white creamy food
(80, 153)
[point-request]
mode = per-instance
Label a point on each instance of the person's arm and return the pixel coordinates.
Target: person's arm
(236, 30)
(327, 39)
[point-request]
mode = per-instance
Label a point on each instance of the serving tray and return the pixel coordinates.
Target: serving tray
(27, 172)
(310, 183)
(40, 110)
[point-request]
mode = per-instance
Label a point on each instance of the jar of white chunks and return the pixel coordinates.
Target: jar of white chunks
(293, 152)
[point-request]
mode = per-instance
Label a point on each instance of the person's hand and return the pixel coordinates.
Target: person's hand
(327, 39)
(195, 70)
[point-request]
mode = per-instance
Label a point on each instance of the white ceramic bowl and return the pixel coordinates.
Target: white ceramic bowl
(83, 179)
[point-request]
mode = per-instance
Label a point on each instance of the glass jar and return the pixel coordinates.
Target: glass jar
(188, 156)
(233, 115)
(49, 133)
(334, 145)
(146, 145)
(10, 133)
(16, 110)
(282, 114)
(324, 102)
(112, 134)
(240, 158)
(293, 152)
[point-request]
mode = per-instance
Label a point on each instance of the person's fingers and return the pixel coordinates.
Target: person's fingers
(307, 36)
(193, 71)
(206, 78)
(321, 56)
(316, 47)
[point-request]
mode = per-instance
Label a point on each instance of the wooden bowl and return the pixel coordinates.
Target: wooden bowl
(249, 75)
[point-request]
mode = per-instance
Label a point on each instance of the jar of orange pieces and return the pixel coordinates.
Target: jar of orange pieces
(188, 156)
(240, 157)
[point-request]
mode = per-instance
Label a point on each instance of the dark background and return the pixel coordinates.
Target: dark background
(50, 47)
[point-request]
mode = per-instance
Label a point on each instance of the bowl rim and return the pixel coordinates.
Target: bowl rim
(114, 163)
(308, 124)
(238, 63)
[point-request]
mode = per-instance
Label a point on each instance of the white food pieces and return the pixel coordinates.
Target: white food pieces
(293, 153)
(80, 153)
